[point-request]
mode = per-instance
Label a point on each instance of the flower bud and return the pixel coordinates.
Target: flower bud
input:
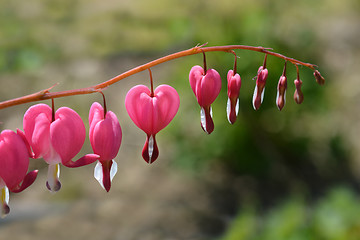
(281, 92)
(298, 95)
(259, 90)
(319, 79)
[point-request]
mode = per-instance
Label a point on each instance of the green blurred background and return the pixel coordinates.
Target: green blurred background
(290, 175)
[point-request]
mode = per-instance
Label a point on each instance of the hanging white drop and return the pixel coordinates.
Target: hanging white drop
(150, 147)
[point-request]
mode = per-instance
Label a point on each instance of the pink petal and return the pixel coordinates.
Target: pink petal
(67, 133)
(234, 84)
(209, 88)
(83, 161)
(22, 135)
(28, 180)
(195, 76)
(96, 113)
(151, 114)
(138, 105)
(106, 137)
(165, 104)
(36, 125)
(14, 158)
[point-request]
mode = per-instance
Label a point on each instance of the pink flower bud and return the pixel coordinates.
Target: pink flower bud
(234, 85)
(105, 137)
(319, 79)
(206, 87)
(151, 113)
(259, 90)
(281, 92)
(298, 95)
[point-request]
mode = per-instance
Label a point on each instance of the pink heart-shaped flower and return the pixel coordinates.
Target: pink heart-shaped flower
(234, 85)
(206, 87)
(57, 139)
(151, 113)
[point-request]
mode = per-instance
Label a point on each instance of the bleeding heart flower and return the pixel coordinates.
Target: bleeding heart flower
(105, 138)
(57, 139)
(234, 85)
(206, 87)
(14, 164)
(259, 91)
(151, 113)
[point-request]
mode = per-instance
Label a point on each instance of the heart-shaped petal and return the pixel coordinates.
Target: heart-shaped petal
(105, 134)
(36, 124)
(152, 113)
(14, 159)
(67, 133)
(206, 87)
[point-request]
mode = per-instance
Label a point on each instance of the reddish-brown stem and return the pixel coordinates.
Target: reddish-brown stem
(284, 71)
(235, 62)
(151, 84)
(204, 60)
(45, 94)
(52, 110)
(265, 58)
(297, 72)
(104, 101)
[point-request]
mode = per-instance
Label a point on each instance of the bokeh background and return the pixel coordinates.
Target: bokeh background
(290, 175)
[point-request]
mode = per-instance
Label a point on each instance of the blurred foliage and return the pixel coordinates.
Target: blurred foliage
(334, 217)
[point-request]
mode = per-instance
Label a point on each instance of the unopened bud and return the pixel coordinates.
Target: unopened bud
(319, 79)
(258, 95)
(298, 95)
(281, 92)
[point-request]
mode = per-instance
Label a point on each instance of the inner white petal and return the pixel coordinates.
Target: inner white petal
(202, 119)
(53, 176)
(237, 107)
(228, 109)
(5, 195)
(98, 174)
(150, 147)
(254, 96)
(262, 94)
(113, 170)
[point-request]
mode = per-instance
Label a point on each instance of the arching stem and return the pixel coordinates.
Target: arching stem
(45, 94)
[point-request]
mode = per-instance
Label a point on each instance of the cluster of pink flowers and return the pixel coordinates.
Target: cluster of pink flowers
(58, 136)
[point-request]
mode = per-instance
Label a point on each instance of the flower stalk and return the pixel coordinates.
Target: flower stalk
(46, 94)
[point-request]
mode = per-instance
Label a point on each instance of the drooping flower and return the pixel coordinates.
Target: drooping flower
(206, 85)
(259, 90)
(298, 94)
(319, 79)
(234, 85)
(281, 90)
(105, 138)
(151, 112)
(14, 164)
(57, 138)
